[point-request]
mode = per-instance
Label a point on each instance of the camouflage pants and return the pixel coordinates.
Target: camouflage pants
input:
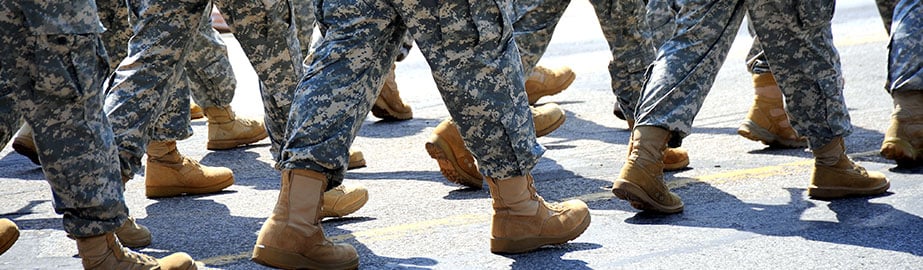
(687, 64)
(534, 22)
(304, 20)
(905, 58)
(145, 84)
(625, 25)
(51, 75)
(474, 62)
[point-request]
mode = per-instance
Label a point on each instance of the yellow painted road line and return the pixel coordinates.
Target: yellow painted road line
(417, 228)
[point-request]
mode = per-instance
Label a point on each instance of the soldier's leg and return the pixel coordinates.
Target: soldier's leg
(212, 83)
(767, 121)
(682, 75)
(534, 22)
(904, 139)
(64, 73)
(477, 67)
(798, 42)
(330, 106)
(269, 39)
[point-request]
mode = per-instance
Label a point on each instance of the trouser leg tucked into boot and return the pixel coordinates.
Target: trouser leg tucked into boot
(904, 139)
(458, 165)
(292, 236)
(389, 106)
(641, 179)
(836, 176)
(105, 252)
(546, 82)
(8, 234)
(767, 121)
(523, 221)
(227, 131)
(25, 145)
(344, 200)
(168, 173)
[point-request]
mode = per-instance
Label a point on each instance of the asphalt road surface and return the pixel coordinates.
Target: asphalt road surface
(746, 205)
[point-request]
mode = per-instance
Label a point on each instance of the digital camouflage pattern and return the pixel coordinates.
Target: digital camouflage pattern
(474, 62)
(304, 20)
(52, 64)
(164, 41)
(798, 43)
(625, 26)
(905, 57)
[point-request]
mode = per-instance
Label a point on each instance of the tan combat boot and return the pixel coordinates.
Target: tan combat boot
(227, 131)
(767, 121)
(356, 159)
(674, 159)
(455, 161)
(195, 111)
(389, 106)
(547, 118)
(904, 139)
(105, 252)
(836, 176)
(523, 221)
(641, 180)
(25, 145)
(344, 200)
(292, 236)
(132, 234)
(168, 173)
(8, 234)
(545, 82)
(458, 164)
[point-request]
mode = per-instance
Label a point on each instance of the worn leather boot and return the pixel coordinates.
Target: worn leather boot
(547, 118)
(767, 121)
(389, 106)
(195, 111)
(133, 235)
(523, 221)
(167, 173)
(105, 252)
(836, 176)
(545, 82)
(455, 161)
(8, 234)
(641, 179)
(356, 159)
(344, 200)
(227, 131)
(292, 236)
(904, 139)
(25, 145)
(674, 159)
(458, 164)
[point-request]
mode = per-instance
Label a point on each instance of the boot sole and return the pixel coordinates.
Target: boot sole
(835, 193)
(552, 91)
(278, 258)
(160, 192)
(639, 199)
(8, 244)
(754, 132)
(26, 151)
(355, 164)
(349, 209)
(231, 144)
(449, 166)
(386, 113)
(510, 246)
(554, 126)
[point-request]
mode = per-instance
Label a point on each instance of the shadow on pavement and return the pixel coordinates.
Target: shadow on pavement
(859, 222)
